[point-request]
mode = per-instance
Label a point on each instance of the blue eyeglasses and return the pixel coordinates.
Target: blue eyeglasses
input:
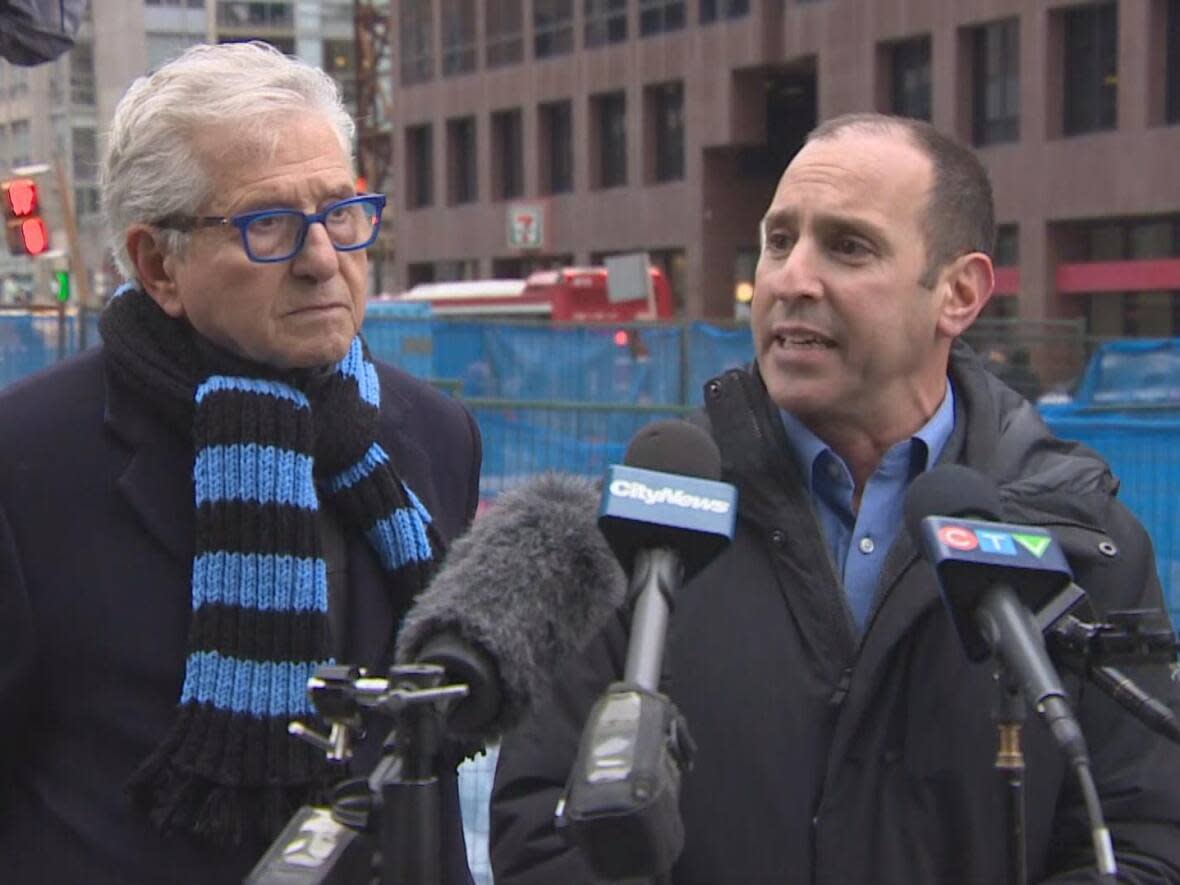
(273, 235)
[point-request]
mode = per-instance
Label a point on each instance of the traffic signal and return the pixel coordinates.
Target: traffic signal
(61, 285)
(24, 228)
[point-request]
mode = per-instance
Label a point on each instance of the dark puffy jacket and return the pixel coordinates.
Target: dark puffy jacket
(825, 760)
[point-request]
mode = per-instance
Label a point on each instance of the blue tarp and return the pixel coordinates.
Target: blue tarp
(580, 394)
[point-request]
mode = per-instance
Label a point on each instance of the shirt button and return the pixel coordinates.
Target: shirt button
(867, 545)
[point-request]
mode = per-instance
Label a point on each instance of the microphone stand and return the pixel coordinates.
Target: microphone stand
(1009, 714)
(400, 801)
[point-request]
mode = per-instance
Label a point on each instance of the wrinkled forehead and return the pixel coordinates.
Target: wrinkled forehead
(878, 174)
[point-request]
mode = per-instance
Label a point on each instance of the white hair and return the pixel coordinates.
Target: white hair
(152, 169)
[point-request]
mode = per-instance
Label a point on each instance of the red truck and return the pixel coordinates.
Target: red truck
(571, 294)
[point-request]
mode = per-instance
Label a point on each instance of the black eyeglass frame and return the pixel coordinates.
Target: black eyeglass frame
(245, 219)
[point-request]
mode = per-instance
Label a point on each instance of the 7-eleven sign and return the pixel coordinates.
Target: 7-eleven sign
(526, 225)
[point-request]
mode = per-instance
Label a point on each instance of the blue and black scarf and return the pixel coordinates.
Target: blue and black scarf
(270, 448)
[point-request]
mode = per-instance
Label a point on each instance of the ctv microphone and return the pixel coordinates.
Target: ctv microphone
(666, 516)
(524, 588)
(991, 575)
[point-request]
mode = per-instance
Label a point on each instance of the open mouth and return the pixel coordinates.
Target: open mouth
(804, 341)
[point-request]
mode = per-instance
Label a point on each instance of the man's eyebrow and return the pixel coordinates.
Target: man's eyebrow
(825, 221)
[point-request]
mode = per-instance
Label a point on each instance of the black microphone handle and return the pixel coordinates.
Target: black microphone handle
(1124, 690)
(655, 579)
(1013, 635)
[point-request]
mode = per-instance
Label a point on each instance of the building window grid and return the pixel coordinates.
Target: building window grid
(996, 88)
(458, 37)
(84, 143)
(556, 120)
(1172, 72)
(268, 15)
(507, 138)
(463, 183)
(660, 16)
(416, 36)
(719, 10)
(19, 144)
(611, 118)
(420, 169)
(504, 39)
(1091, 68)
(668, 108)
(82, 75)
(911, 78)
(553, 27)
(605, 21)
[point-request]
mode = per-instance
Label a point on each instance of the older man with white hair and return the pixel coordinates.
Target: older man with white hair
(226, 495)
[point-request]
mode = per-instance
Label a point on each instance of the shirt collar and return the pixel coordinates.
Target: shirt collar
(806, 447)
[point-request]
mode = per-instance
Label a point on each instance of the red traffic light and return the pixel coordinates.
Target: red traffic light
(20, 197)
(28, 236)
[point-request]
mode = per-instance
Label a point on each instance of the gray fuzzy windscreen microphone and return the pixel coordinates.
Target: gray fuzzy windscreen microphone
(528, 585)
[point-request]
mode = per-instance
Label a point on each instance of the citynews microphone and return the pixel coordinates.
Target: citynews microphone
(666, 515)
(993, 576)
(524, 589)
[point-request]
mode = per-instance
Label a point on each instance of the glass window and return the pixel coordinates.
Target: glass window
(458, 37)
(508, 154)
(419, 166)
(667, 107)
(715, 10)
(505, 41)
(658, 16)
(911, 78)
(85, 144)
(605, 22)
(462, 185)
(19, 143)
(557, 147)
(82, 74)
(416, 34)
(162, 48)
(996, 82)
(1007, 251)
(1091, 68)
(553, 27)
(1172, 42)
(611, 120)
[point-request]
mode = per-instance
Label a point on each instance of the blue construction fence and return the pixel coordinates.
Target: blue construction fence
(570, 397)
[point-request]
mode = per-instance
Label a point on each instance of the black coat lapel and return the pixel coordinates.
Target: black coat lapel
(157, 482)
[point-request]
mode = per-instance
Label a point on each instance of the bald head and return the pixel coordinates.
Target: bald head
(959, 216)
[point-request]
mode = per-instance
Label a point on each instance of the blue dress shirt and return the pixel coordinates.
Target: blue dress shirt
(858, 543)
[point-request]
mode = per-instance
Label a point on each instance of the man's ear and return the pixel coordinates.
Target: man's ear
(155, 268)
(968, 286)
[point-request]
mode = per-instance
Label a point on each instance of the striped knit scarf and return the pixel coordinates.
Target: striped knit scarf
(269, 448)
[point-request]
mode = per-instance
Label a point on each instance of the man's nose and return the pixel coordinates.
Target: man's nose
(318, 257)
(798, 275)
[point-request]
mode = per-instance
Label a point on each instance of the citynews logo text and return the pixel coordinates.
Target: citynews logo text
(622, 488)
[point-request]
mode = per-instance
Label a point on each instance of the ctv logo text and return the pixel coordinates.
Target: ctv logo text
(960, 537)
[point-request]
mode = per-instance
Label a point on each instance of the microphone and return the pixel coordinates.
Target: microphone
(991, 575)
(523, 589)
(666, 516)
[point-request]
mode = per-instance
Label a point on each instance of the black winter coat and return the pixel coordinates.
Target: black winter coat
(824, 760)
(96, 549)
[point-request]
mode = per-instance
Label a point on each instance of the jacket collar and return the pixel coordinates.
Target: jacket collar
(996, 432)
